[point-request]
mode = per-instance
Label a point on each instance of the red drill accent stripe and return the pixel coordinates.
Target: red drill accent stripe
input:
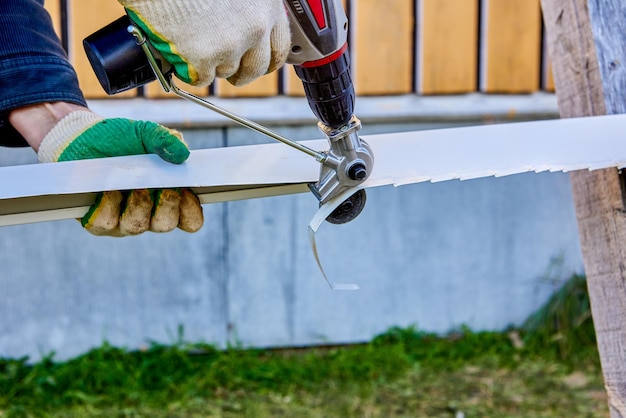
(318, 12)
(332, 57)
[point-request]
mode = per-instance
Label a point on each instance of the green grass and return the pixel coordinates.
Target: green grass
(549, 368)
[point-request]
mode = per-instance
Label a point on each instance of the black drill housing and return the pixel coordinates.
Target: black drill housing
(329, 90)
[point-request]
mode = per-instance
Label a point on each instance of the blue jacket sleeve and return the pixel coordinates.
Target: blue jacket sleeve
(33, 65)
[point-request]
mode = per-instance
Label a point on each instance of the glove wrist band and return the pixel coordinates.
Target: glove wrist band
(64, 132)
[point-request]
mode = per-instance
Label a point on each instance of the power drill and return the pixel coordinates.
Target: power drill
(320, 57)
(319, 53)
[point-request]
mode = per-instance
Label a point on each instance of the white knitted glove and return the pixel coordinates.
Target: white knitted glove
(239, 40)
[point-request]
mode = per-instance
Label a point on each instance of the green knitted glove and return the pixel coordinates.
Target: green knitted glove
(84, 135)
(239, 40)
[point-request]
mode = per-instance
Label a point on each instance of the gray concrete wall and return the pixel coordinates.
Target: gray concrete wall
(483, 252)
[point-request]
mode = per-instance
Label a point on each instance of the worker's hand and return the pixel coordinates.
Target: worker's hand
(84, 135)
(239, 40)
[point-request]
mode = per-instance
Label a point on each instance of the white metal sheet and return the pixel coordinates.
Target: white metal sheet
(42, 192)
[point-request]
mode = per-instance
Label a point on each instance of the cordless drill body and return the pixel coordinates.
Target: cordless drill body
(319, 53)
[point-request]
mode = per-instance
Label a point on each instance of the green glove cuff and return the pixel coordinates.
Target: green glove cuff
(84, 135)
(183, 70)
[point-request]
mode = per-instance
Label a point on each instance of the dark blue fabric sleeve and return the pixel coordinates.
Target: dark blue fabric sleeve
(33, 65)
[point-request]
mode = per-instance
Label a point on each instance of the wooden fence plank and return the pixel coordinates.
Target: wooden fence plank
(293, 85)
(548, 77)
(86, 17)
(154, 90)
(383, 46)
(511, 46)
(54, 9)
(262, 87)
(447, 46)
(383, 49)
(587, 43)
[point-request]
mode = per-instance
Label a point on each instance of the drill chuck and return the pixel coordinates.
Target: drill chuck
(329, 89)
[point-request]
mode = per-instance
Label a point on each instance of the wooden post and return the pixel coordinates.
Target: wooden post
(586, 41)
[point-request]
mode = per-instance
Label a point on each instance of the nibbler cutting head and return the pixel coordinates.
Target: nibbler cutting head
(349, 163)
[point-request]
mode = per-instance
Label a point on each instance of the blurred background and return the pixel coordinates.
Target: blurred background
(482, 253)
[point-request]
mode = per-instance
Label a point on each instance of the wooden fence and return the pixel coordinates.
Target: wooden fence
(423, 47)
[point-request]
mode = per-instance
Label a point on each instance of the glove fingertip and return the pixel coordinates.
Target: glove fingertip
(102, 218)
(165, 142)
(135, 215)
(254, 63)
(191, 214)
(165, 216)
(176, 153)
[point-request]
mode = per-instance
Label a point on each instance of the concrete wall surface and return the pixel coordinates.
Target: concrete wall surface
(485, 253)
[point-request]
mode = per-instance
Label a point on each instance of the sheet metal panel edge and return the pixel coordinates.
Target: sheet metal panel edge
(271, 169)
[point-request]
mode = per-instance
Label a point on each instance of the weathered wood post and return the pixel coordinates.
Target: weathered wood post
(587, 45)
